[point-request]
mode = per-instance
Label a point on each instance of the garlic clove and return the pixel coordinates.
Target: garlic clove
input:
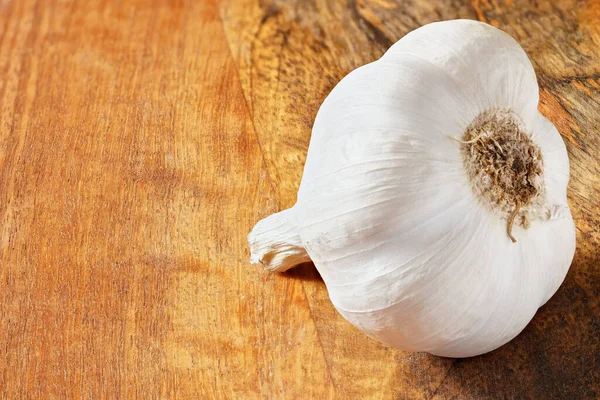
(556, 160)
(489, 65)
(429, 97)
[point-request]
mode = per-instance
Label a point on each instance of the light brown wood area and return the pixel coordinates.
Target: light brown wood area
(141, 140)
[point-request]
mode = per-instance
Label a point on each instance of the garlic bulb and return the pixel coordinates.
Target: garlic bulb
(433, 201)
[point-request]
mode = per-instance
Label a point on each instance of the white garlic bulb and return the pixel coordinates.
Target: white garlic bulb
(422, 167)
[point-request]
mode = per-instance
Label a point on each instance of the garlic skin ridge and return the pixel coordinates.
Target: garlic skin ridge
(410, 253)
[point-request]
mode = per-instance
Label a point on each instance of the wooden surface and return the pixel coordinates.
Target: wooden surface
(141, 140)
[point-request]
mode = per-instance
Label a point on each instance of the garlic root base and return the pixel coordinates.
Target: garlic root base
(275, 243)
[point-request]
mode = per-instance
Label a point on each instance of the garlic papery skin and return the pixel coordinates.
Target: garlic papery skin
(275, 243)
(421, 167)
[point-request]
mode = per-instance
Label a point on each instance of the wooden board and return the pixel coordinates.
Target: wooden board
(141, 140)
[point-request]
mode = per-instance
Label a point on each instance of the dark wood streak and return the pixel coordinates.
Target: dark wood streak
(377, 35)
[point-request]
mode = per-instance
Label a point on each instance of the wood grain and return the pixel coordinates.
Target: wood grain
(141, 140)
(130, 177)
